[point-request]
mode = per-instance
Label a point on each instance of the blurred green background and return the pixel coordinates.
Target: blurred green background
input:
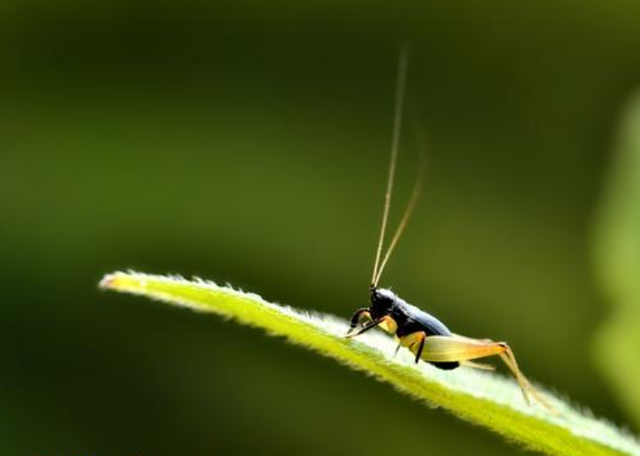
(247, 142)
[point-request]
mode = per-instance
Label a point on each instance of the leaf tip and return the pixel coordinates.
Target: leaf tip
(115, 281)
(107, 281)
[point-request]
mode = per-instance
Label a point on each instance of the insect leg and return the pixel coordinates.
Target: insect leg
(454, 348)
(415, 343)
(368, 326)
(397, 348)
(481, 366)
(510, 360)
(357, 317)
(420, 348)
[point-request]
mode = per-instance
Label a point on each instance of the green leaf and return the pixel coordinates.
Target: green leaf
(617, 248)
(483, 398)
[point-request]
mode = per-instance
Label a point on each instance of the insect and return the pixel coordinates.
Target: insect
(424, 335)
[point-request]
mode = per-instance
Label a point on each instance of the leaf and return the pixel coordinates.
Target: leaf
(483, 398)
(617, 248)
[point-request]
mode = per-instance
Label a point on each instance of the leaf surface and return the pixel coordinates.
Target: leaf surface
(486, 399)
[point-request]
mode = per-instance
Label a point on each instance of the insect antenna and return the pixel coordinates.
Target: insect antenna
(415, 194)
(395, 142)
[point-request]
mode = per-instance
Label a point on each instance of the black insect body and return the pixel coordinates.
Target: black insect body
(396, 316)
(423, 334)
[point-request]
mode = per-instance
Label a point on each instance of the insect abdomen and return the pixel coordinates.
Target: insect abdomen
(420, 321)
(445, 366)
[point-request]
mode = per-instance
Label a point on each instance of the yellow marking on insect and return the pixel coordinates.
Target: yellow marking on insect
(389, 325)
(411, 339)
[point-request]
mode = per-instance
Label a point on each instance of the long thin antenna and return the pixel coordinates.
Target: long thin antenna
(395, 142)
(417, 189)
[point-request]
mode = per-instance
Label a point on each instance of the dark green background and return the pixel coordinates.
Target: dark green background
(247, 142)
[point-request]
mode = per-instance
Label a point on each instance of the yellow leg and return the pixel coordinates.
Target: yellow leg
(410, 339)
(461, 349)
(510, 360)
(481, 366)
(415, 343)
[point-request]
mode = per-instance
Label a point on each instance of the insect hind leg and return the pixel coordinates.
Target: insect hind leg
(461, 349)
(510, 360)
(481, 366)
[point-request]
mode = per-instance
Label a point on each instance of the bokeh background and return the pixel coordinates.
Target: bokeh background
(247, 142)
